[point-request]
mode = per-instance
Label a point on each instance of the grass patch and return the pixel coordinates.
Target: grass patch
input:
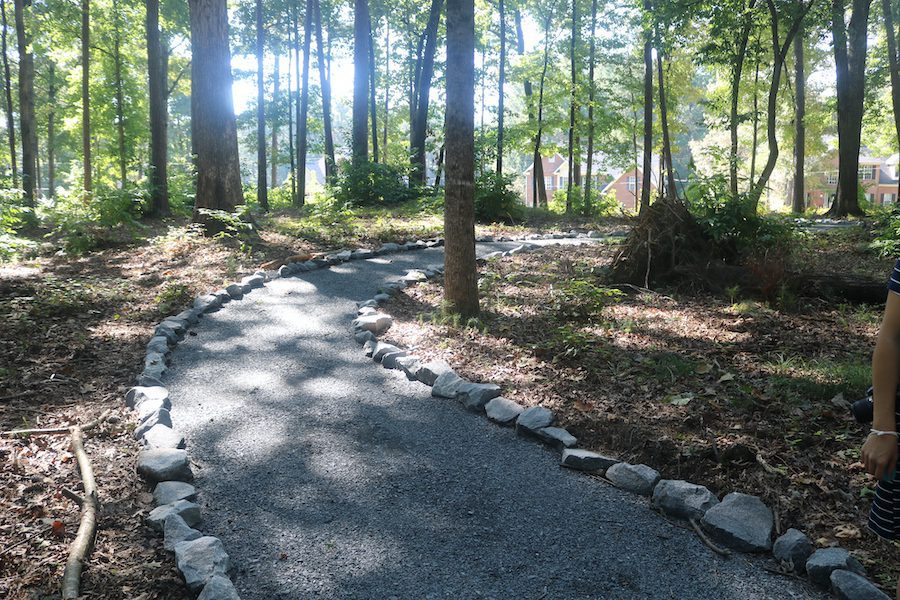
(798, 379)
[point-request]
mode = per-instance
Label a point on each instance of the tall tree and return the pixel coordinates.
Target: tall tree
(325, 84)
(212, 113)
(359, 146)
(86, 94)
(387, 88)
(51, 131)
(671, 192)
(736, 72)
(798, 203)
(461, 272)
(501, 83)
(850, 45)
(302, 120)
(648, 108)
(262, 187)
(591, 96)
(573, 108)
(26, 103)
(290, 106)
(540, 187)
(120, 95)
(276, 96)
(537, 169)
(894, 66)
(419, 126)
(8, 106)
(159, 118)
(373, 105)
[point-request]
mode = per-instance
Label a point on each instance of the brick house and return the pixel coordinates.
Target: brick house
(878, 178)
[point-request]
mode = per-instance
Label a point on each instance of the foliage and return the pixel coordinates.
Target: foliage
(602, 205)
(83, 223)
(172, 297)
(13, 215)
(495, 200)
(371, 184)
(581, 300)
(887, 232)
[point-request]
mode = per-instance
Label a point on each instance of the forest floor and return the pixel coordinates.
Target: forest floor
(731, 392)
(72, 341)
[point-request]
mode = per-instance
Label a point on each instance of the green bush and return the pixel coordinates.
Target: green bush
(495, 199)
(82, 223)
(371, 184)
(887, 232)
(602, 205)
(13, 215)
(580, 300)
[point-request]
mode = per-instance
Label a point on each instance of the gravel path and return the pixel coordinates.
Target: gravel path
(327, 476)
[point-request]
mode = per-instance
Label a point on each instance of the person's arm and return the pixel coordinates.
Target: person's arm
(879, 453)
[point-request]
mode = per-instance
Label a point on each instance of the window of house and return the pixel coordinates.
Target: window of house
(632, 183)
(563, 182)
(548, 182)
(887, 198)
(866, 172)
(832, 177)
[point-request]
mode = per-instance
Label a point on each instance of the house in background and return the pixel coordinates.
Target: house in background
(626, 187)
(878, 178)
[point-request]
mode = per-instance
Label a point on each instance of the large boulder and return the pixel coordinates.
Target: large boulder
(683, 499)
(200, 560)
(741, 522)
(637, 479)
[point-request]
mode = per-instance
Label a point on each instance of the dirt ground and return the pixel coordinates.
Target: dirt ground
(729, 392)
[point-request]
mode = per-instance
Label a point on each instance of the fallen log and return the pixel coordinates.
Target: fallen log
(84, 539)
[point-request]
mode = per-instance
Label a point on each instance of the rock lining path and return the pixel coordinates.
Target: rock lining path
(327, 476)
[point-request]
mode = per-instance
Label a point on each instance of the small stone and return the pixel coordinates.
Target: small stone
(361, 254)
(154, 358)
(742, 522)
(159, 344)
(410, 366)
(167, 492)
(447, 384)
(343, 255)
(381, 349)
(503, 411)
(532, 419)
(206, 303)
(171, 337)
(286, 270)
(415, 277)
(149, 406)
(377, 324)
(585, 460)
(389, 360)
(847, 585)
(154, 372)
(176, 530)
(147, 380)
(200, 560)
(369, 348)
(139, 394)
(381, 298)
(222, 296)
(683, 499)
(637, 479)
(164, 464)
(594, 234)
(186, 509)
(161, 436)
(474, 396)
(219, 588)
(177, 326)
(389, 247)
(430, 371)
(190, 316)
(235, 290)
(793, 549)
(254, 281)
(557, 436)
(159, 417)
(367, 304)
(824, 561)
(362, 337)
(366, 310)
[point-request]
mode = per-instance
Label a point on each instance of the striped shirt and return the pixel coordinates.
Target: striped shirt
(894, 281)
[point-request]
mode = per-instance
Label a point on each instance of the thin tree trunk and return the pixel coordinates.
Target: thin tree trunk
(423, 90)
(572, 108)
(86, 93)
(262, 186)
(439, 166)
(373, 103)
(290, 107)
(7, 88)
(671, 193)
(894, 65)
(51, 132)
(387, 88)
(755, 143)
(120, 96)
(733, 122)
(799, 203)
(591, 93)
(482, 76)
(540, 184)
(26, 102)
(461, 272)
(302, 142)
(157, 72)
(276, 75)
(359, 146)
(648, 112)
(300, 198)
(501, 92)
(537, 168)
(325, 84)
(37, 172)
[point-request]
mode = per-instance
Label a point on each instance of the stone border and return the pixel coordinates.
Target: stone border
(740, 522)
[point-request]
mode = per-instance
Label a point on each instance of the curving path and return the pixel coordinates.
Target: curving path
(327, 476)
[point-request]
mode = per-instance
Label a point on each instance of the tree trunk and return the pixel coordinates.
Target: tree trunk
(755, 142)
(501, 93)
(300, 198)
(359, 146)
(302, 142)
(120, 96)
(373, 102)
(212, 113)
(276, 75)
(86, 93)
(325, 84)
(894, 65)
(537, 169)
(7, 88)
(423, 89)
(51, 132)
(540, 186)
(671, 192)
(572, 108)
(439, 165)
(591, 93)
(159, 122)
(26, 103)
(262, 186)
(850, 65)
(648, 112)
(290, 107)
(799, 200)
(387, 89)
(461, 272)
(733, 123)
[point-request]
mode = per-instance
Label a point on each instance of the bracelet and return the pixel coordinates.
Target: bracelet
(880, 433)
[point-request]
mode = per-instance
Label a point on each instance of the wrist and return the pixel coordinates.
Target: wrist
(883, 433)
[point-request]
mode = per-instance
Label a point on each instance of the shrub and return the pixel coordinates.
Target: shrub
(82, 223)
(580, 300)
(371, 184)
(495, 200)
(602, 205)
(13, 215)
(887, 232)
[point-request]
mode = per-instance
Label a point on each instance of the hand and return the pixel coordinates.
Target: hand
(879, 455)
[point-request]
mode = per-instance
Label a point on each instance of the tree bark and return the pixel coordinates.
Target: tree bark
(26, 103)
(894, 66)
(461, 272)
(373, 102)
(419, 126)
(850, 64)
(359, 146)
(387, 89)
(120, 95)
(799, 199)
(212, 113)
(302, 142)
(262, 186)
(733, 123)
(325, 84)
(648, 112)
(276, 95)
(671, 192)
(572, 108)
(290, 107)
(589, 168)
(51, 132)
(755, 142)
(537, 169)
(540, 186)
(86, 93)
(7, 88)
(501, 93)
(159, 121)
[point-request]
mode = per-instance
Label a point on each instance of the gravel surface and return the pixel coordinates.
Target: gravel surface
(327, 476)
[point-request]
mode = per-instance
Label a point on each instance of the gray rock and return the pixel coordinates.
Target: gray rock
(154, 358)
(389, 360)
(185, 509)
(793, 548)
(741, 522)
(222, 296)
(219, 588)
(235, 290)
(369, 348)
(532, 419)
(364, 336)
(140, 394)
(191, 317)
(381, 298)
(683, 499)
(159, 344)
(557, 436)
(367, 303)
(410, 366)
(343, 255)
(176, 530)
(286, 270)
(377, 324)
(149, 406)
(176, 325)
(362, 253)
(594, 234)
(503, 411)
(206, 303)
(164, 464)
(147, 380)
(159, 417)
(381, 349)
(474, 396)
(847, 585)
(254, 281)
(389, 247)
(161, 436)
(447, 384)
(637, 479)
(415, 276)
(493, 255)
(154, 371)
(171, 337)
(824, 561)
(167, 492)
(200, 560)
(366, 310)
(431, 370)
(585, 460)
